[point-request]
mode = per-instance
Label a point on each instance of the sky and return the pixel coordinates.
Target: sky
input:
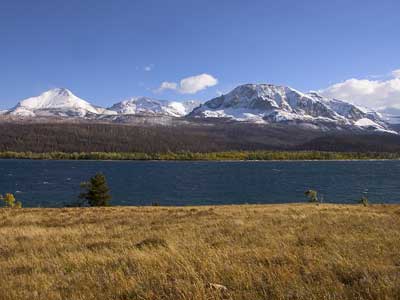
(107, 51)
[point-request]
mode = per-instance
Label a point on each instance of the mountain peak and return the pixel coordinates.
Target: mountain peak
(54, 102)
(60, 92)
(148, 106)
(269, 103)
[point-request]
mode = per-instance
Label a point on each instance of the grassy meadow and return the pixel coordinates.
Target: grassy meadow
(296, 251)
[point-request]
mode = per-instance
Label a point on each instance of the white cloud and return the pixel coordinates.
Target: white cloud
(148, 68)
(194, 84)
(396, 73)
(190, 85)
(166, 85)
(376, 94)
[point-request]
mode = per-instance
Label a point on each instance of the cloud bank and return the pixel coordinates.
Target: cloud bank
(376, 94)
(189, 85)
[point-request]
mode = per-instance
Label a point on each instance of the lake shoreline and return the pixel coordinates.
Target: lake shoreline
(206, 206)
(228, 156)
(202, 160)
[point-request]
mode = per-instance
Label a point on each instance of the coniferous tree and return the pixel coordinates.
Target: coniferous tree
(96, 191)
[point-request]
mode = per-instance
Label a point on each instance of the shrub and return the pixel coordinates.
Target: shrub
(10, 201)
(363, 200)
(312, 196)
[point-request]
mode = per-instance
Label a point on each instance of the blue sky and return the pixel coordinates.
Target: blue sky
(105, 51)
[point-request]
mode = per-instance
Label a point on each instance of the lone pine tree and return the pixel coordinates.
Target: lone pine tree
(96, 191)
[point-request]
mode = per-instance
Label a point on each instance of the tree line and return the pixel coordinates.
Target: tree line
(206, 156)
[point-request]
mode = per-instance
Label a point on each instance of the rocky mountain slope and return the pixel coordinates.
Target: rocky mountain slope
(250, 103)
(62, 102)
(391, 114)
(153, 107)
(266, 103)
(56, 102)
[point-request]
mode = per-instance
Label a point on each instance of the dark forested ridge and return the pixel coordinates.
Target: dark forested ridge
(105, 137)
(181, 136)
(357, 143)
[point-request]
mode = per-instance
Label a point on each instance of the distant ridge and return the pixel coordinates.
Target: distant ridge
(250, 103)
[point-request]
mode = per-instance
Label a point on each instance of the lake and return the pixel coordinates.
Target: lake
(56, 183)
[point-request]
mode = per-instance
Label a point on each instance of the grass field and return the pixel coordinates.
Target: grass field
(298, 251)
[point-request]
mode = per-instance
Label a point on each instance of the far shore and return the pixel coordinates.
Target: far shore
(204, 160)
(227, 156)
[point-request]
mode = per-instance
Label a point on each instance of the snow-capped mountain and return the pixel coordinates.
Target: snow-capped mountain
(391, 114)
(255, 103)
(153, 107)
(267, 103)
(63, 103)
(56, 102)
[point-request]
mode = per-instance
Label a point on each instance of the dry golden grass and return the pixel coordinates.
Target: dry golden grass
(297, 251)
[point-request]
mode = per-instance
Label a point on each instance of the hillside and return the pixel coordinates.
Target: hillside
(256, 252)
(177, 135)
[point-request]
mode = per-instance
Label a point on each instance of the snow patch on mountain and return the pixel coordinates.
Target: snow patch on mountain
(391, 114)
(153, 107)
(56, 102)
(267, 103)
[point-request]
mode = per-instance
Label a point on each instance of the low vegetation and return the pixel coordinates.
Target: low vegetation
(312, 196)
(8, 200)
(297, 251)
(208, 156)
(363, 200)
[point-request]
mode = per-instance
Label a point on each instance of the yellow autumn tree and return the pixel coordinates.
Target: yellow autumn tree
(10, 201)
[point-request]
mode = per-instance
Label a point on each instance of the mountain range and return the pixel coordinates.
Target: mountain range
(250, 103)
(63, 103)
(153, 107)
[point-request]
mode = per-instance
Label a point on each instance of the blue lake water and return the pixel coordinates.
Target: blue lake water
(55, 183)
